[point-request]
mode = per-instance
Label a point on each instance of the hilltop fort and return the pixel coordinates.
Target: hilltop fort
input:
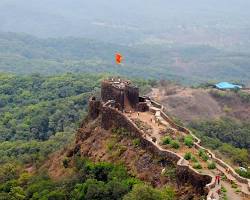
(121, 107)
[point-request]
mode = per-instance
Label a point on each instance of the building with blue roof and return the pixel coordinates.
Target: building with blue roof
(227, 86)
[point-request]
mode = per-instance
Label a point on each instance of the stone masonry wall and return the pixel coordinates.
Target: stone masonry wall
(94, 108)
(108, 92)
(132, 94)
(113, 118)
(198, 146)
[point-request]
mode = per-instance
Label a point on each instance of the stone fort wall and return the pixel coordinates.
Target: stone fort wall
(125, 95)
(111, 117)
(109, 92)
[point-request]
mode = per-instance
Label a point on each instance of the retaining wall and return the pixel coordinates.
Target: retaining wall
(185, 173)
(114, 118)
(198, 146)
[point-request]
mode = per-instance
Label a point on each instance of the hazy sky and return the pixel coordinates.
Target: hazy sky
(86, 18)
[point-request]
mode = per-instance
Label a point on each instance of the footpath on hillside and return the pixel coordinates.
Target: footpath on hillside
(158, 130)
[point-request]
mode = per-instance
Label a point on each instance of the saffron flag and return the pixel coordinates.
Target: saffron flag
(118, 58)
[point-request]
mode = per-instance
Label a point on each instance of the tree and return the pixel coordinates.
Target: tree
(7, 172)
(144, 192)
(17, 193)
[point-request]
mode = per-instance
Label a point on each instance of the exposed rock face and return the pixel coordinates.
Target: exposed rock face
(142, 163)
(112, 118)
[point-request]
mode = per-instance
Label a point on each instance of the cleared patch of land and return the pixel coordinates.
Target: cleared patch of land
(190, 104)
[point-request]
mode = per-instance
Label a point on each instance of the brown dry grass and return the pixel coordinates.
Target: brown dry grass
(190, 104)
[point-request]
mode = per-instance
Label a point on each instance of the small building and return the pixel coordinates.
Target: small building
(227, 86)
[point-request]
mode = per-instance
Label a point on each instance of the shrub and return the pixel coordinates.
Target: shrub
(211, 165)
(193, 158)
(197, 166)
(237, 190)
(224, 178)
(65, 162)
(188, 141)
(245, 174)
(136, 142)
(234, 185)
(111, 144)
(119, 151)
(223, 189)
(175, 144)
(205, 157)
(142, 191)
(201, 152)
(170, 173)
(166, 140)
(225, 197)
(188, 156)
(168, 193)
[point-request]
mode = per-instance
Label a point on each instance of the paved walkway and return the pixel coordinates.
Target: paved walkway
(149, 118)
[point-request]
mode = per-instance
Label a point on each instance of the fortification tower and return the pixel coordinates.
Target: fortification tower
(122, 92)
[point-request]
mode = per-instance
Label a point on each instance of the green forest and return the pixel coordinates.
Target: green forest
(228, 138)
(189, 64)
(97, 181)
(39, 115)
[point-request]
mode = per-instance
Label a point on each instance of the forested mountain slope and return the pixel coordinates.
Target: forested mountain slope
(38, 113)
(39, 116)
(25, 54)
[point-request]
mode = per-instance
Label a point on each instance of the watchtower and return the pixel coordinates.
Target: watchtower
(122, 92)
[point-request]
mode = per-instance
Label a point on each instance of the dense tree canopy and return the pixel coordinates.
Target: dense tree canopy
(227, 137)
(227, 130)
(39, 115)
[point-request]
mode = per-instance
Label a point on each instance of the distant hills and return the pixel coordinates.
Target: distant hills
(219, 23)
(25, 54)
(188, 41)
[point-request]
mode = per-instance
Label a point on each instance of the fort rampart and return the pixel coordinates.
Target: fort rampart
(212, 155)
(119, 94)
(185, 174)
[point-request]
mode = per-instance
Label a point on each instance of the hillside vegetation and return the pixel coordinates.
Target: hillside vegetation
(25, 54)
(219, 118)
(39, 116)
